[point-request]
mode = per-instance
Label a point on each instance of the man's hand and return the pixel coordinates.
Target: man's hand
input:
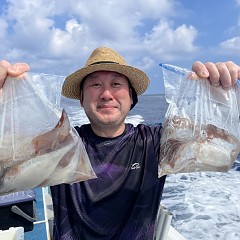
(13, 70)
(221, 73)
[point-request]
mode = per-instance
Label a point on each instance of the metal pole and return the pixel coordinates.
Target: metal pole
(163, 223)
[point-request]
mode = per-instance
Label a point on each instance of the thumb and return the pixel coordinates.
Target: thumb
(18, 69)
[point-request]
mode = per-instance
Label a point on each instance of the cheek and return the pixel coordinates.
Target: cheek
(125, 98)
(87, 99)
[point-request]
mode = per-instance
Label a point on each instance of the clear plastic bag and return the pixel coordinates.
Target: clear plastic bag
(38, 147)
(201, 130)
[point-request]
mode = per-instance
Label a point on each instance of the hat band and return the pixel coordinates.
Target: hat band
(102, 62)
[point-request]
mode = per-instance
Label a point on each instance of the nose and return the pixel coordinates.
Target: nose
(106, 94)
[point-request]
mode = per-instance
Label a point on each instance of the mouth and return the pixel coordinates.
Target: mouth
(106, 107)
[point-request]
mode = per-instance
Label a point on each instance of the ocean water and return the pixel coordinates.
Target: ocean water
(205, 206)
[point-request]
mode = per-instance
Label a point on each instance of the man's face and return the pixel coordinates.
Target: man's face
(106, 98)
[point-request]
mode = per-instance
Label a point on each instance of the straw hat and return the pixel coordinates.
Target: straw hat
(104, 59)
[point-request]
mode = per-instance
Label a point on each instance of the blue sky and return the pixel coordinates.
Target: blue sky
(57, 36)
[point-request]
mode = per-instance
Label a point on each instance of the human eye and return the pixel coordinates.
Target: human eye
(116, 84)
(96, 84)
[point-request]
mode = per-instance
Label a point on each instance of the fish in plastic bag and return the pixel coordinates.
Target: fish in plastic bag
(201, 130)
(38, 147)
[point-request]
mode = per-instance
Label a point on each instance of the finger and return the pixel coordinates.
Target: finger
(200, 69)
(234, 71)
(5, 63)
(224, 75)
(18, 69)
(214, 74)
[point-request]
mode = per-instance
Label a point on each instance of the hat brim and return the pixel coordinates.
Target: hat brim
(138, 79)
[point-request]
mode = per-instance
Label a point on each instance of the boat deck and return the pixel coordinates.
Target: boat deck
(43, 208)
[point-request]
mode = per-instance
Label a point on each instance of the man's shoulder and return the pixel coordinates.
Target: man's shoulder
(85, 127)
(143, 131)
(147, 128)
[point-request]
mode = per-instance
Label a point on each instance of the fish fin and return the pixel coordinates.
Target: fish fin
(48, 141)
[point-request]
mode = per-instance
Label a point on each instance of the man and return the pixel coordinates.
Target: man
(122, 202)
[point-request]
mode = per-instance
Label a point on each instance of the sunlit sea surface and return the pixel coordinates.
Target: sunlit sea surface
(204, 205)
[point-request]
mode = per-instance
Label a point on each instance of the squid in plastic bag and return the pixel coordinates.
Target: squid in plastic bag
(201, 130)
(38, 147)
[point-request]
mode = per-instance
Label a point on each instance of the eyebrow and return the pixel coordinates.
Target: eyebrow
(91, 75)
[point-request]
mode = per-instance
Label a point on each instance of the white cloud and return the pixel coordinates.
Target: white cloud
(238, 2)
(232, 44)
(109, 20)
(232, 31)
(49, 34)
(168, 42)
(29, 26)
(158, 9)
(58, 29)
(67, 42)
(145, 63)
(46, 33)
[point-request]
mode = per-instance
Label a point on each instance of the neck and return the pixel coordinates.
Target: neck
(108, 131)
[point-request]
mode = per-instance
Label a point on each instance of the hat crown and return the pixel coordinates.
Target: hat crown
(104, 59)
(104, 55)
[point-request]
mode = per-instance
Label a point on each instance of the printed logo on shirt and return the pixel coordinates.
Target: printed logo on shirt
(135, 166)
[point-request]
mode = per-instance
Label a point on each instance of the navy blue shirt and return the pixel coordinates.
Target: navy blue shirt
(122, 202)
